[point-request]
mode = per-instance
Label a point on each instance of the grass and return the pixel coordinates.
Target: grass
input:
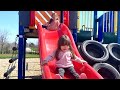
(32, 56)
(4, 56)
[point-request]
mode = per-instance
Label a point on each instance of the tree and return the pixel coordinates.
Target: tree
(34, 48)
(7, 48)
(31, 45)
(3, 39)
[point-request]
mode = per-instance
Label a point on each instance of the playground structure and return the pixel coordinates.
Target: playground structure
(28, 22)
(103, 29)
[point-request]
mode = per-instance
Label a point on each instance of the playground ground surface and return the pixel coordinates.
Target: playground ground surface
(32, 71)
(4, 56)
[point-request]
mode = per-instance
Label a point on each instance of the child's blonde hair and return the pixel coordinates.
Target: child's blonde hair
(64, 40)
(53, 14)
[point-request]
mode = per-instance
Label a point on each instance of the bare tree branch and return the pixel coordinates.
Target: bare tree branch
(3, 39)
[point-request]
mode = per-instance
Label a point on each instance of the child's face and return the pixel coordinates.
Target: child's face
(55, 17)
(64, 47)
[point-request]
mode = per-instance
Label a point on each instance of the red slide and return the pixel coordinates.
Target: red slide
(48, 43)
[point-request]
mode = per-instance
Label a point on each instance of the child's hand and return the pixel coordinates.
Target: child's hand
(83, 61)
(44, 62)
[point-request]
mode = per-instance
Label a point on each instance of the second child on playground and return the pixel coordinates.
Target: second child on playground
(64, 56)
(54, 22)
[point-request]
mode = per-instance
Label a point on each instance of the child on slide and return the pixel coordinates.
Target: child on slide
(64, 56)
(54, 22)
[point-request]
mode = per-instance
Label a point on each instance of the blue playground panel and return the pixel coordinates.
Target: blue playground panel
(75, 35)
(106, 29)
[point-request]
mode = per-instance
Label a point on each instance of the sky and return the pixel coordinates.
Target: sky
(9, 21)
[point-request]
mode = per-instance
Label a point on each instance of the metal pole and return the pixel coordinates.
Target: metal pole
(106, 21)
(115, 21)
(103, 21)
(91, 20)
(112, 21)
(78, 21)
(95, 25)
(73, 19)
(85, 19)
(82, 19)
(20, 52)
(24, 55)
(73, 24)
(109, 30)
(118, 26)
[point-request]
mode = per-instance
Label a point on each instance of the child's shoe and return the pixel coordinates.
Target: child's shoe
(57, 76)
(83, 76)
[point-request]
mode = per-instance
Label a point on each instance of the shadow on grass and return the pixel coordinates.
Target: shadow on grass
(34, 77)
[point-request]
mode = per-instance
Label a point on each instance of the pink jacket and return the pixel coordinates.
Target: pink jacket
(64, 59)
